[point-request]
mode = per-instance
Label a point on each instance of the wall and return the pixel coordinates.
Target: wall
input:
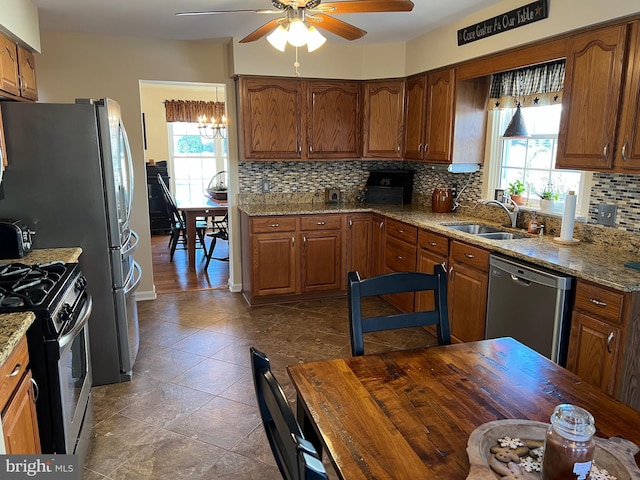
(78, 65)
(19, 19)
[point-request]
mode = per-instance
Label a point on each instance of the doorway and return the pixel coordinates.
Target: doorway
(192, 160)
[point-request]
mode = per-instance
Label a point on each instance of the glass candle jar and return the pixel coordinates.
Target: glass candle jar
(569, 445)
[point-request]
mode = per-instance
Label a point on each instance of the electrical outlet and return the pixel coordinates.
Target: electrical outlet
(266, 186)
(607, 214)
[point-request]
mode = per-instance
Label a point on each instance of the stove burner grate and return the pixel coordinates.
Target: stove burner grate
(28, 285)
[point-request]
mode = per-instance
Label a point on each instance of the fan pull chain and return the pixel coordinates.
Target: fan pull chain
(296, 63)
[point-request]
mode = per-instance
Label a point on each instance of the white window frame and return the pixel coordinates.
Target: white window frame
(497, 122)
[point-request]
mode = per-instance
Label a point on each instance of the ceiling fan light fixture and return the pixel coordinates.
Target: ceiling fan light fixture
(298, 33)
(278, 38)
(315, 39)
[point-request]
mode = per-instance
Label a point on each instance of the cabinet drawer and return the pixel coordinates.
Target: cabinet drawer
(602, 302)
(469, 255)
(12, 371)
(433, 242)
(273, 224)
(320, 222)
(404, 232)
(399, 256)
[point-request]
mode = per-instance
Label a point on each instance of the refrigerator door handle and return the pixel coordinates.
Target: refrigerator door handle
(137, 278)
(125, 138)
(131, 246)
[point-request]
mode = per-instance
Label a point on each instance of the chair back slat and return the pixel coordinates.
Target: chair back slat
(389, 284)
(296, 458)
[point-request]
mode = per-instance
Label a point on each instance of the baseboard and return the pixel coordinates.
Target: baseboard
(146, 295)
(235, 287)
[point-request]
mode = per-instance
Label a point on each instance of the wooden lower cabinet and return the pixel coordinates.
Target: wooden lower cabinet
(321, 263)
(468, 287)
(18, 404)
(359, 244)
(274, 265)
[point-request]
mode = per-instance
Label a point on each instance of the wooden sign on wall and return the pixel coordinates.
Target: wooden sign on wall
(507, 21)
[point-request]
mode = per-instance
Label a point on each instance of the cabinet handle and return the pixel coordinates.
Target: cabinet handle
(16, 370)
(469, 255)
(400, 230)
(398, 149)
(609, 340)
(274, 225)
(605, 152)
(433, 244)
(293, 242)
(420, 148)
(323, 223)
(597, 302)
(624, 150)
(350, 223)
(426, 148)
(310, 149)
(399, 257)
(450, 269)
(381, 225)
(304, 240)
(300, 149)
(36, 390)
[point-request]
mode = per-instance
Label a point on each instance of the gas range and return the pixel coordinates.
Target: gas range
(50, 290)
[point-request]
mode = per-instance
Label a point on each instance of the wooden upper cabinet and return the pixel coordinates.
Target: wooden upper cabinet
(9, 66)
(440, 106)
(591, 98)
(383, 118)
(27, 70)
(334, 122)
(272, 112)
(415, 117)
(627, 152)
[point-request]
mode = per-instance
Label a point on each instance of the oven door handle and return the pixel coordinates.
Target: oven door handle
(80, 323)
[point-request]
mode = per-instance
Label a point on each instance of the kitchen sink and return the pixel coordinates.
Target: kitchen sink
(485, 231)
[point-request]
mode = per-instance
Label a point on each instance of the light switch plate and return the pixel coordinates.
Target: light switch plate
(266, 186)
(607, 214)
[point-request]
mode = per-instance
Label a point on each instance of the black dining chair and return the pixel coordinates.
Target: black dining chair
(221, 232)
(388, 284)
(295, 456)
(178, 223)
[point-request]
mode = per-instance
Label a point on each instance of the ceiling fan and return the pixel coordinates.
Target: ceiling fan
(315, 13)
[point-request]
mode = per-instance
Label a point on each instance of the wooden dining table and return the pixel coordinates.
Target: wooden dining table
(196, 205)
(408, 414)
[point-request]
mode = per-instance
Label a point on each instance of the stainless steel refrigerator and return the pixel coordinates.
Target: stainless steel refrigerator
(70, 178)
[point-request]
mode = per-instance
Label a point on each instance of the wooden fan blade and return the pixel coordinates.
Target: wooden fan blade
(366, 6)
(217, 12)
(333, 25)
(262, 31)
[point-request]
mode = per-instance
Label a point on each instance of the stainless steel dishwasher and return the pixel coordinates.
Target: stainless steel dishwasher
(531, 304)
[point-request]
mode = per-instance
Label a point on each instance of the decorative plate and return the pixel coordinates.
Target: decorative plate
(615, 455)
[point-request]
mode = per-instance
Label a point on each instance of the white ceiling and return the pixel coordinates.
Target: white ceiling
(156, 19)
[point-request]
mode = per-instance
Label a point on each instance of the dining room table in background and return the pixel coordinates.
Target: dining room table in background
(409, 414)
(195, 205)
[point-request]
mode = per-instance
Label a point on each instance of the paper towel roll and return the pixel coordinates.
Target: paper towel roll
(569, 217)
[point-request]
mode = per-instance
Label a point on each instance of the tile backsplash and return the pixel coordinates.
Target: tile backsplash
(309, 179)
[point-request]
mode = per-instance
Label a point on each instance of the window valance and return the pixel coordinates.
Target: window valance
(530, 86)
(191, 110)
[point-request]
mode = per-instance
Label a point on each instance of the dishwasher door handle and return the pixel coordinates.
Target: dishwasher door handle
(519, 280)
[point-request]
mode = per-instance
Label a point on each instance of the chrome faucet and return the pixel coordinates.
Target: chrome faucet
(512, 215)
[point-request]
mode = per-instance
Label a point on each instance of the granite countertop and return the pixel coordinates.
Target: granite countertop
(14, 325)
(596, 263)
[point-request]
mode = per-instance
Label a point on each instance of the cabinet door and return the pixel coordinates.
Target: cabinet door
(321, 260)
(467, 302)
(333, 126)
(593, 351)
(427, 262)
(19, 421)
(377, 244)
(415, 118)
(27, 71)
(591, 99)
(9, 66)
(274, 264)
(272, 116)
(440, 104)
(359, 244)
(628, 147)
(382, 119)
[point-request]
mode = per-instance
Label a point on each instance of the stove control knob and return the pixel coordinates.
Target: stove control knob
(65, 313)
(81, 283)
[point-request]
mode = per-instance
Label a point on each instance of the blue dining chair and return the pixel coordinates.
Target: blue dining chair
(295, 456)
(388, 284)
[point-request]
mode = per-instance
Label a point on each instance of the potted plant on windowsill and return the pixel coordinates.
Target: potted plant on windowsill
(548, 198)
(516, 189)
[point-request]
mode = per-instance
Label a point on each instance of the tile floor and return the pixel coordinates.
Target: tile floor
(190, 412)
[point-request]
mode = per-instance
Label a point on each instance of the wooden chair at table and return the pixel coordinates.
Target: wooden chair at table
(296, 457)
(178, 223)
(219, 232)
(397, 282)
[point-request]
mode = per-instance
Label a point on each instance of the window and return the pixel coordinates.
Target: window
(532, 160)
(196, 159)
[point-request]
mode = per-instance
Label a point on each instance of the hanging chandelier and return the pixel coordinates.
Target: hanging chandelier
(216, 127)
